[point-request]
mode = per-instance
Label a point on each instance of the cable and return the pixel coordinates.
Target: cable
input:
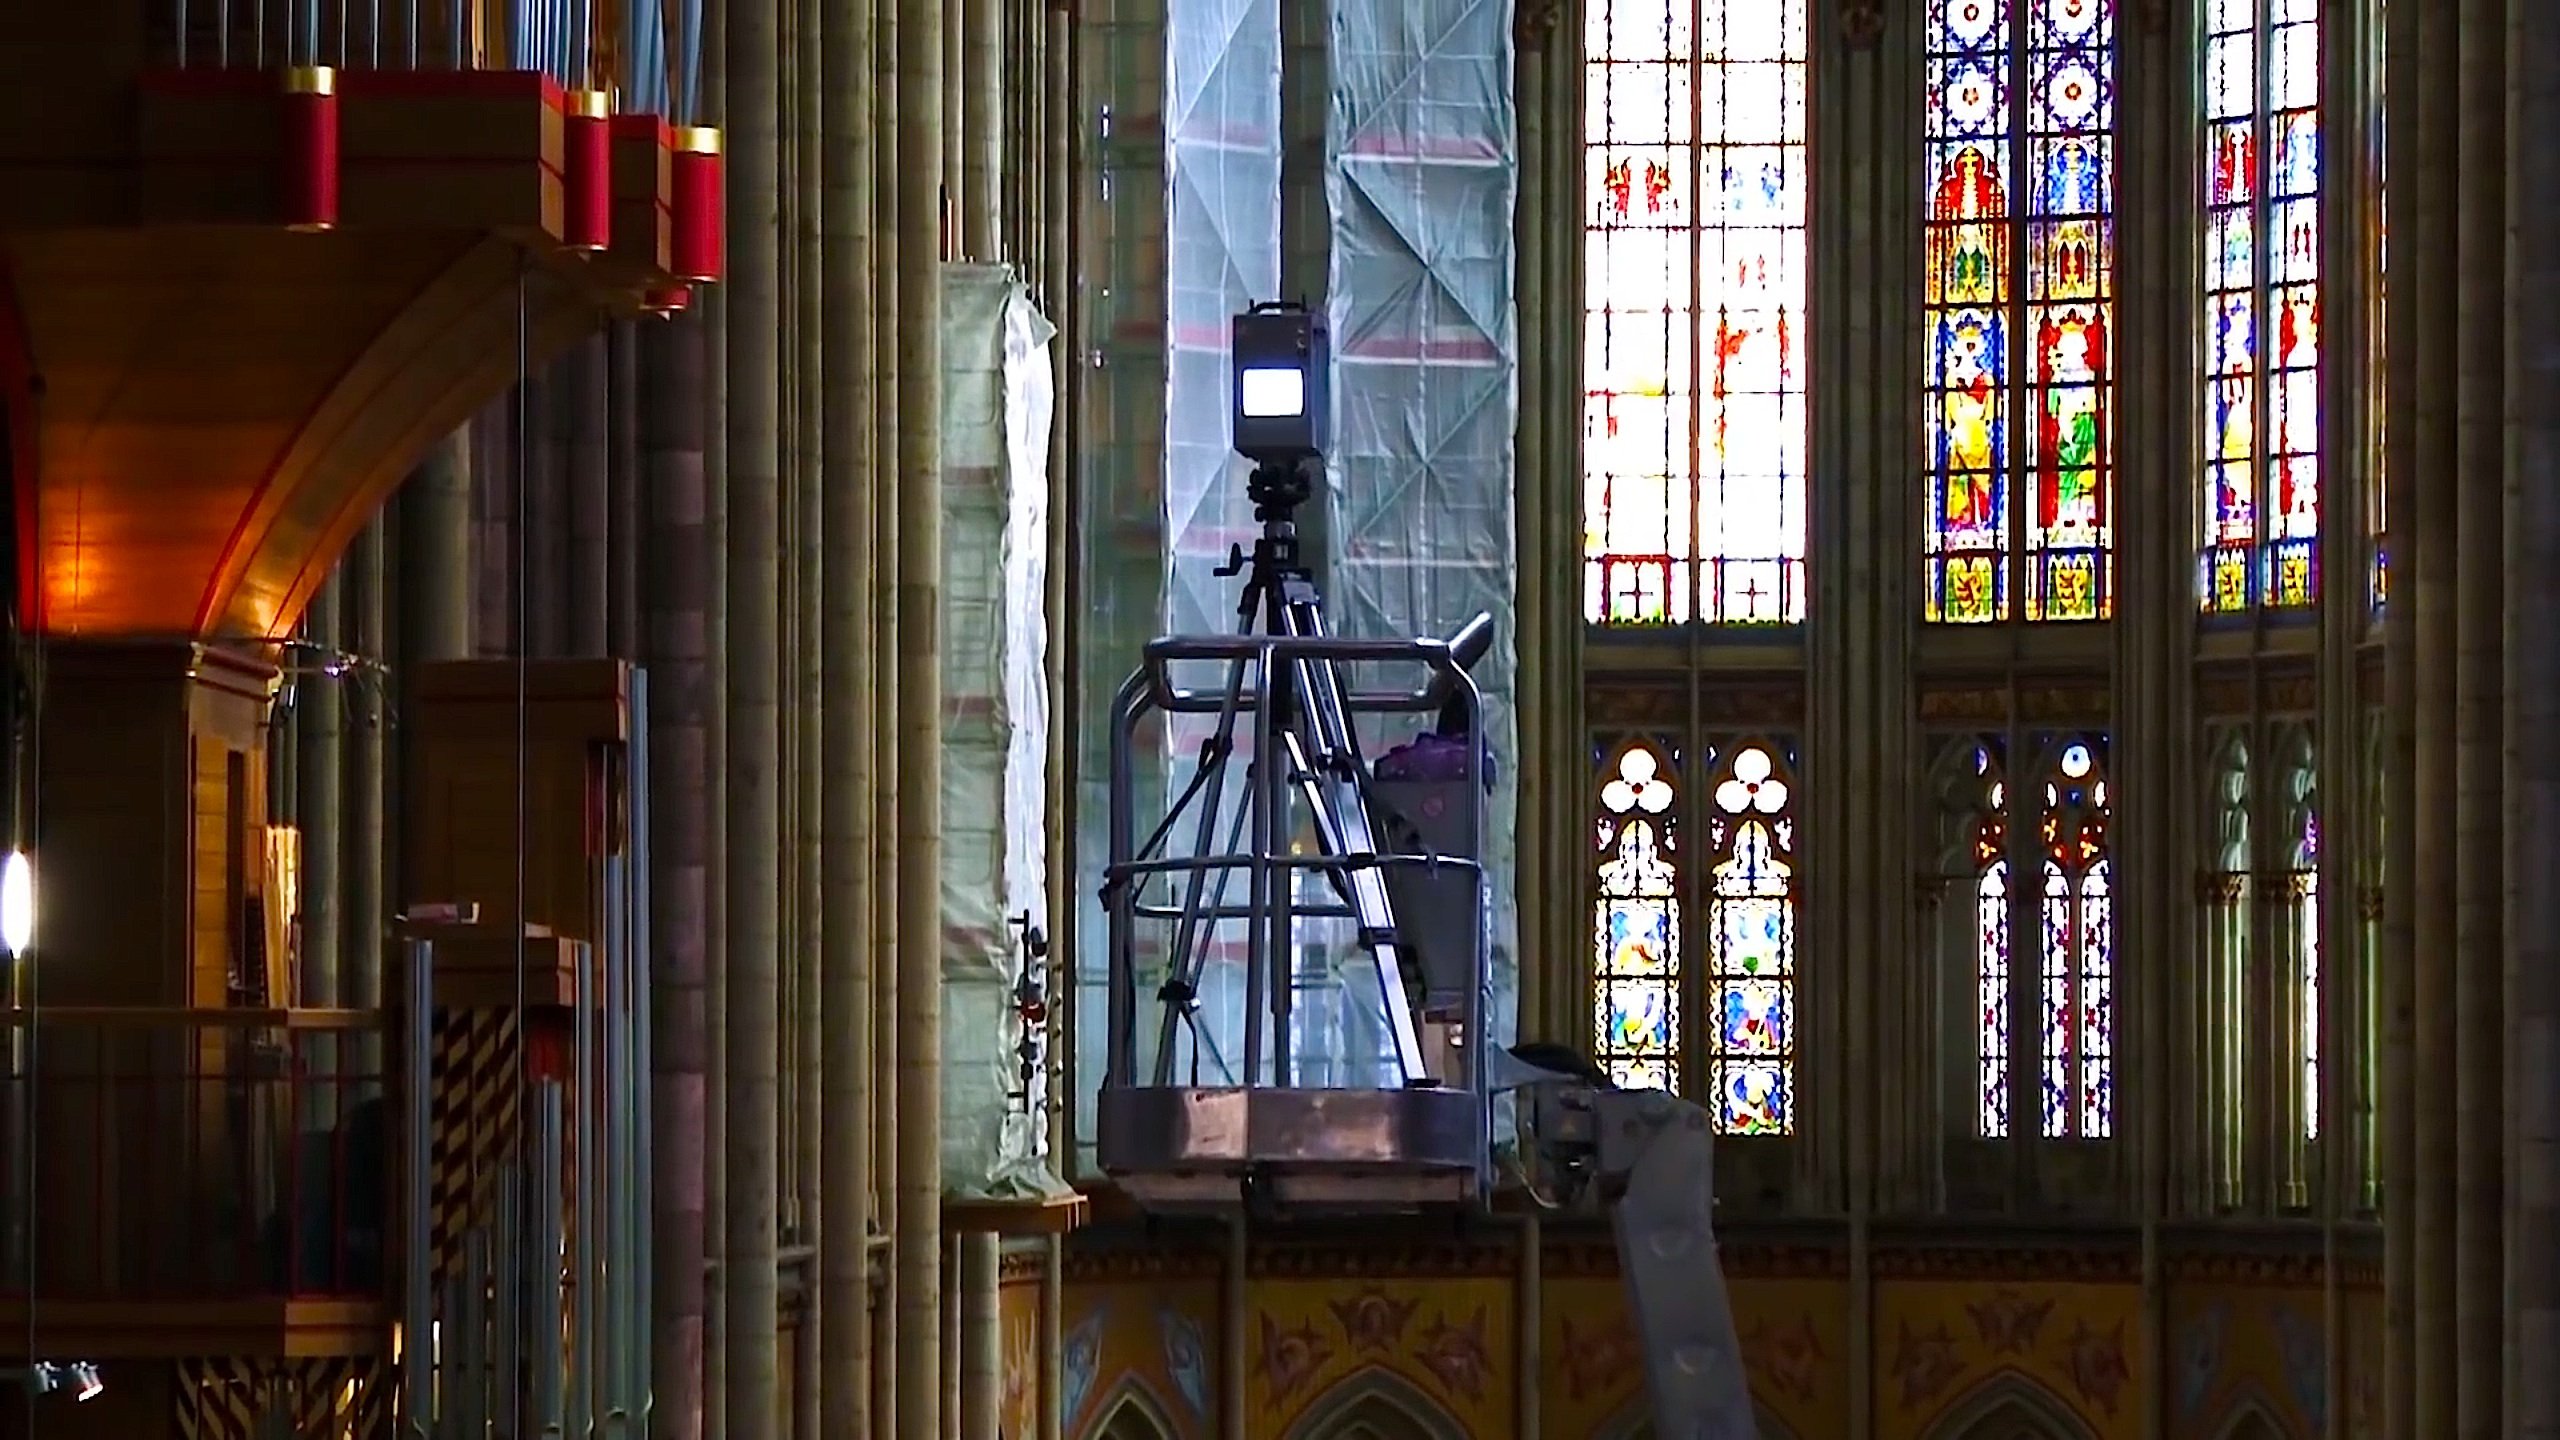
(26, 739)
(524, 824)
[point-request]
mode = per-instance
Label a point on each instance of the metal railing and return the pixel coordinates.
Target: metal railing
(167, 1155)
(648, 51)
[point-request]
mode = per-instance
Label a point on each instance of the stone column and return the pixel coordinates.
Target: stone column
(888, 153)
(676, 638)
(2430, 563)
(2152, 827)
(1568, 933)
(1543, 809)
(752, 829)
(714, 303)
(920, 187)
(1877, 1126)
(849, 720)
(2479, 841)
(2531, 514)
(2397, 994)
(367, 713)
(319, 711)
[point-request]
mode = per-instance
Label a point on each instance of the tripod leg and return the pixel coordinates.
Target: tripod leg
(1324, 760)
(1190, 943)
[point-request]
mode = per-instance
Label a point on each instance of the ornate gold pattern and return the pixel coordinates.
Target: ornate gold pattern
(470, 1124)
(230, 1397)
(1985, 701)
(1651, 703)
(2225, 692)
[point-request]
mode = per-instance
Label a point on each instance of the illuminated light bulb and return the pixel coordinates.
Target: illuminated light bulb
(17, 903)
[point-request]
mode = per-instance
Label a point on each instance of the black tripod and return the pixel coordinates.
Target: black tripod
(1304, 746)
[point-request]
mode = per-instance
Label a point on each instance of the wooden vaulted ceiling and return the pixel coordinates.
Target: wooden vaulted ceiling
(217, 410)
(204, 406)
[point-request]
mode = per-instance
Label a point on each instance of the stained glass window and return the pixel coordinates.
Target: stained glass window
(1751, 834)
(2019, 289)
(2261, 274)
(2078, 964)
(1694, 333)
(1636, 924)
(1991, 944)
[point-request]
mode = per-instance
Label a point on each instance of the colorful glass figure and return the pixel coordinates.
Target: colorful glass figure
(2260, 477)
(1752, 831)
(1695, 432)
(2077, 991)
(2047, 105)
(1636, 925)
(1991, 943)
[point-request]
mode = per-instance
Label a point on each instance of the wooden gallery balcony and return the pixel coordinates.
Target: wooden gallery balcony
(183, 1183)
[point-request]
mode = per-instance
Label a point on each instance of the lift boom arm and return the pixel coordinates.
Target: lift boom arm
(1657, 1152)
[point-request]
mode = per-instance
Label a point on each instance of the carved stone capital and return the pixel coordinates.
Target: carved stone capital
(1534, 21)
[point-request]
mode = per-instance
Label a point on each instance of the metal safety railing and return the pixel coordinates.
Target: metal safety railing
(647, 51)
(167, 1155)
(1175, 906)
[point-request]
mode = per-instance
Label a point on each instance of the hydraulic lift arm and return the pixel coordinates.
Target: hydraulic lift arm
(1649, 1156)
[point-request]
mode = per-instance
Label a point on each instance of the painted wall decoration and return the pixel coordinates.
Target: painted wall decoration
(1186, 1358)
(1795, 1342)
(1960, 1340)
(1450, 1340)
(1018, 1328)
(1154, 1337)
(2244, 1347)
(1941, 1343)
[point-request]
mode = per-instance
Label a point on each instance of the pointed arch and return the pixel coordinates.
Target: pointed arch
(1750, 934)
(1131, 1412)
(2010, 1407)
(1969, 796)
(1637, 957)
(2251, 1418)
(2227, 802)
(1376, 1404)
(2298, 958)
(2225, 880)
(1636, 1423)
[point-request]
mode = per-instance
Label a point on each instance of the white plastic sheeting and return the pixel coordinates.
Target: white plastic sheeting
(1120, 545)
(1421, 177)
(1222, 129)
(1158, 521)
(996, 398)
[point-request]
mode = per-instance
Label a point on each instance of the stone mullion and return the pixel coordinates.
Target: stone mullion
(2154, 625)
(1566, 933)
(1546, 794)
(2212, 1165)
(2149, 766)
(2396, 996)
(2348, 414)
(2260, 1041)
(1839, 978)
